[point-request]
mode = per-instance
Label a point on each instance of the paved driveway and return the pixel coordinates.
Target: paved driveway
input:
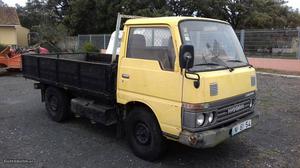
(292, 65)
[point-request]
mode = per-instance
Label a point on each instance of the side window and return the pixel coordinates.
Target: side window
(152, 44)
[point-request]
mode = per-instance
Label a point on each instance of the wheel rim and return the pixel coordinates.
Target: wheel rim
(142, 133)
(53, 103)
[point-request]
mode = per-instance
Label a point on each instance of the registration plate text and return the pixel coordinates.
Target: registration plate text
(240, 127)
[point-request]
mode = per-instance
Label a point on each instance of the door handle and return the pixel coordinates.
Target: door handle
(126, 76)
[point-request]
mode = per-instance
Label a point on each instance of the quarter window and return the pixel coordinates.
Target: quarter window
(152, 44)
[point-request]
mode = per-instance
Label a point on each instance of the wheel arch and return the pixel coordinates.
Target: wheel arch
(132, 104)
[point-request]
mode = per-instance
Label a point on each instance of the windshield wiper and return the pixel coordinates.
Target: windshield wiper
(224, 64)
(216, 64)
(235, 61)
(208, 63)
(240, 62)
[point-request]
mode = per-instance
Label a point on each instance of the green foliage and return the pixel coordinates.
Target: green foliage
(247, 14)
(87, 17)
(89, 47)
(59, 9)
(50, 32)
(33, 14)
(99, 16)
(41, 17)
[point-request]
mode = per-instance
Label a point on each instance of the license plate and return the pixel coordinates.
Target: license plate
(240, 127)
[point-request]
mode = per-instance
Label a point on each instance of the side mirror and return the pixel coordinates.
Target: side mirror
(186, 56)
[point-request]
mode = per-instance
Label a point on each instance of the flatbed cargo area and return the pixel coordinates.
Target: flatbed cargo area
(90, 73)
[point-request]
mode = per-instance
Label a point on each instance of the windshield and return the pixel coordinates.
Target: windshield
(215, 45)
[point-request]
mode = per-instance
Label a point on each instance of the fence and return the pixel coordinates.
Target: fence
(69, 43)
(76, 43)
(282, 43)
(100, 41)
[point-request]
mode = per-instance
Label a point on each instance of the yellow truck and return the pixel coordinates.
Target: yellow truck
(184, 79)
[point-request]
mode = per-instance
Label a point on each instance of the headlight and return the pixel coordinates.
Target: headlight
(211, 117)
(200, 119)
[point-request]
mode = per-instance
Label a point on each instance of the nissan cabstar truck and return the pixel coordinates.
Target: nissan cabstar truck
(184, 79)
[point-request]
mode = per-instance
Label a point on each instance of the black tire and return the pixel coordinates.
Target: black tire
(57, 104)
(144, 135)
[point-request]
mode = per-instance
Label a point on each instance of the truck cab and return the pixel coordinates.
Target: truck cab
(192, 74)
(184, 79)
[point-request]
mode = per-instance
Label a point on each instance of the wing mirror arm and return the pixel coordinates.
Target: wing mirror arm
(187, 62)
(195, 78)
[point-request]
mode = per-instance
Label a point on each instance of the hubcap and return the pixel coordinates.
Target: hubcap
(53, 102)
(142, 133)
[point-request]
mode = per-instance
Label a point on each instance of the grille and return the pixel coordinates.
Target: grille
(233, 111)
(229, 110)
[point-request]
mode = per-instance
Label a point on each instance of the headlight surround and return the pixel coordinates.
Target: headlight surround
(197, 116)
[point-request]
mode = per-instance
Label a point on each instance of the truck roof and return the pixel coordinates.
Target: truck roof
(170, 20)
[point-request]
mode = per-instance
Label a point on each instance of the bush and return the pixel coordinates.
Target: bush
(89, 47)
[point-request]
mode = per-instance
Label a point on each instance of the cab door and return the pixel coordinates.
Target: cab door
(146, 74)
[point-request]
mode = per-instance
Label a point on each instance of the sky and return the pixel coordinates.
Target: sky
(293, 3)
(13, 2)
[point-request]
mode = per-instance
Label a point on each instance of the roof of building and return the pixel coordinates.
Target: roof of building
(8, 16)
(171, 20)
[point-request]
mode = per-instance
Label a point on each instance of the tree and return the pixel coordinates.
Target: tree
(39, 17)
(82, 17)
(99, 16)
(145, 7)
(182, 7)
(59, 9)
(241, 14)
(2, 4)
(33, 14)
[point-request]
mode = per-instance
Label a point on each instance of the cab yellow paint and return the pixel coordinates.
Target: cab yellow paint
(230, 84)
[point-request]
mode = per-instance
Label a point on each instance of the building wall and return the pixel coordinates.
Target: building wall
(8, 35)
(22, 36)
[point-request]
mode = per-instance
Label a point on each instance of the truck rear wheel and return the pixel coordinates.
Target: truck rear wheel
(57, 104)
(144, 134)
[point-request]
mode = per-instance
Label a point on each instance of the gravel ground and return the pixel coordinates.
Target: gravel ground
(27, 133)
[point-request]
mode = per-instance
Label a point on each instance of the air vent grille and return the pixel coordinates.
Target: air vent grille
(253, 80)
(213, 89)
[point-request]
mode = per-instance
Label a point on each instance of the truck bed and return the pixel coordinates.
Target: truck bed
(85, 74)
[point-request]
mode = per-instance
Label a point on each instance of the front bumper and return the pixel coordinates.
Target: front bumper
(211, 138)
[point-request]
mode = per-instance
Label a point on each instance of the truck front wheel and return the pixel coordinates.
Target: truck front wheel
(57, 104)
(144, 134)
